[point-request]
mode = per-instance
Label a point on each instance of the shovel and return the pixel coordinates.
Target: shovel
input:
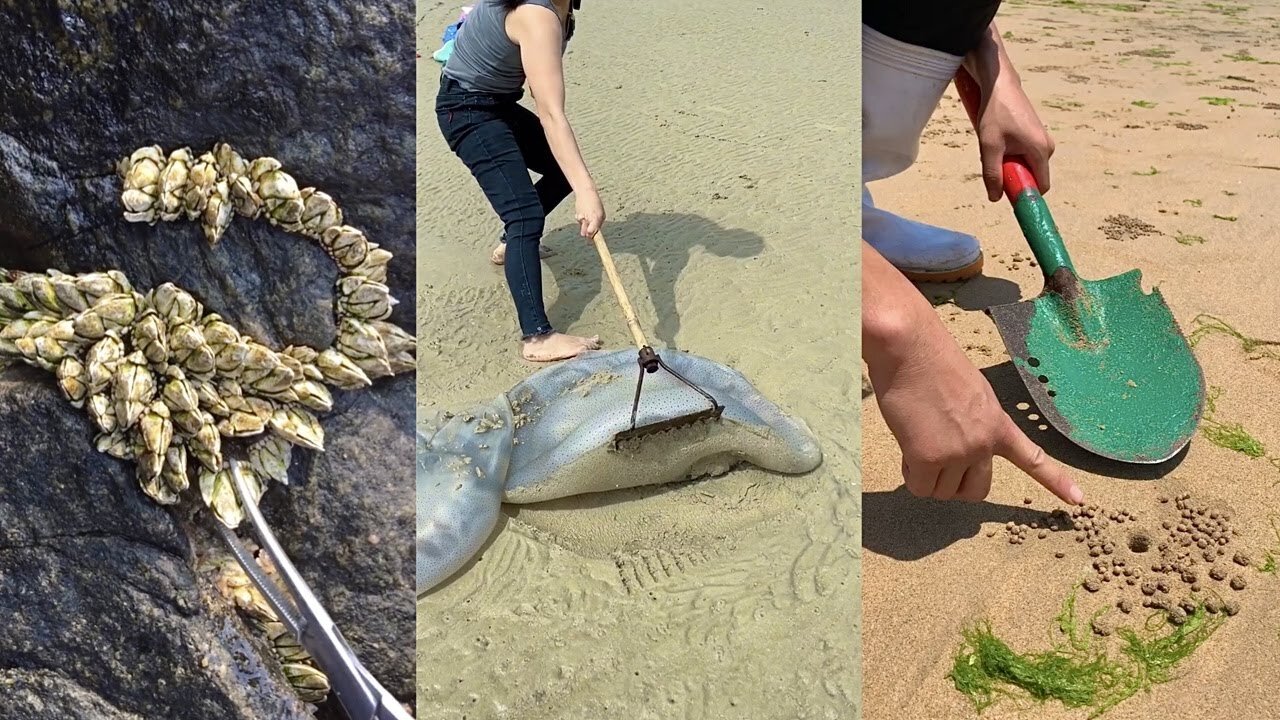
(1105, 362)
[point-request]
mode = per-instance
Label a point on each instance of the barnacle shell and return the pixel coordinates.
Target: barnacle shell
(219, 494)
(156, 428)
(151, 480)
(70, 296)
(319, 213)
(201, 180)
(173, 181)
(217, 332)
(229, 161)
(346, 245)
(270, 456)
(174, 304)
(204, 443)
(49, 350)
(73, 380)
(285, 646)
(339, 370)
(101, 361)
(103, 412)
(361, 342)
(99, 284)
(241, 424)
(177, 392)
(374, 265)
(313, 395)
(117, 444)
(311, 685)
(174, 472)
(111, 312)
(150, 337)
(15, 303)
(141, 194)
(364, 299)
(190, 349)
(132, 388)
(234, 584)
(39, 292)
(280, 196)
(217, 212)
(298, 427)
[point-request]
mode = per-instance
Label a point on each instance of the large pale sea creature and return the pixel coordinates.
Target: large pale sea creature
(551, 436)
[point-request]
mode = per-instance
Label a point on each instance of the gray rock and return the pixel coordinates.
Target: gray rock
(98, 580)
(104, 615)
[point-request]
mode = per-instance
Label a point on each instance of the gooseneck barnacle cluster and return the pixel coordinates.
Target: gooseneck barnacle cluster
(172, 386)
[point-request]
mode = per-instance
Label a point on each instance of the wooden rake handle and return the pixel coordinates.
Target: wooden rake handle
(628, 312)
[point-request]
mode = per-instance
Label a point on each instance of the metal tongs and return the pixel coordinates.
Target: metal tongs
(359, 694)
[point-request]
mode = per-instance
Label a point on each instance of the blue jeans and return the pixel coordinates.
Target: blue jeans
(500, 142)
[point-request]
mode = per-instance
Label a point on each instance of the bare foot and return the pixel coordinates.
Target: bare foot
(499, 254)
(557, 346)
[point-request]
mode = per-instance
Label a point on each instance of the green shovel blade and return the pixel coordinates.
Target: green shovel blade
(1107, 365)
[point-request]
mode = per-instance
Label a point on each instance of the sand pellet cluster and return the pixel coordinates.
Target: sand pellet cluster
(1173, 559)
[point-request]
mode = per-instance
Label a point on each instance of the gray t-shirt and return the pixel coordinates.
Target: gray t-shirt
(484, 59)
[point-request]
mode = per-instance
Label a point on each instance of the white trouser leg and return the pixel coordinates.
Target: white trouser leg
(901, 87)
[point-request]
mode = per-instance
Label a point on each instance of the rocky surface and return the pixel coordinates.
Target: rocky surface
(108, 617)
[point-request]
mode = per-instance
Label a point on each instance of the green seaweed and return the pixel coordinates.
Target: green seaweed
(1233, 436)
(1184, 239)
(1159, 51)
(1143, 104)
(1218, 100)
(1271, 558)
(1210, 324)
(1063, 104)
(1228, 218)
(1079, 673)
(1228, 10)
(1152, 171)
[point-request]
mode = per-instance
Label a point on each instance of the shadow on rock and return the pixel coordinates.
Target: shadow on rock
(1011, 391)
(902, 526)
(663, 244)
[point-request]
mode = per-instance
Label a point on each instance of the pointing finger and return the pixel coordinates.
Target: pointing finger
(1031, 459)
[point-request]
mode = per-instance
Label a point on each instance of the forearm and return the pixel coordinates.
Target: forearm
(564, 147)
(990, 61)
(895, 316)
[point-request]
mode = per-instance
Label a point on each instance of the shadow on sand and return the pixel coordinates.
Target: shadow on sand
(663, 243)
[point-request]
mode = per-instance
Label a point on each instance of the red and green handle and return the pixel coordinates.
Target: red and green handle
(1024, 195)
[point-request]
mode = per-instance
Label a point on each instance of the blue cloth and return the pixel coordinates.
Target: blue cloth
(442, 55)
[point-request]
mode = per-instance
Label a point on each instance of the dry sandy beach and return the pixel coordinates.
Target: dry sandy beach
(729, 185)
(1167, 122)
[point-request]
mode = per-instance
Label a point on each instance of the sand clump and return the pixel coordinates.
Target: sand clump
(1174, 558)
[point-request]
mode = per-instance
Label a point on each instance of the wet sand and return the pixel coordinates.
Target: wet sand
(731, 217)
(1151, 172)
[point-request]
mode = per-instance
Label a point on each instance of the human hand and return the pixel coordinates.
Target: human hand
(949, 424)
(589, 212)
(1008, 125)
